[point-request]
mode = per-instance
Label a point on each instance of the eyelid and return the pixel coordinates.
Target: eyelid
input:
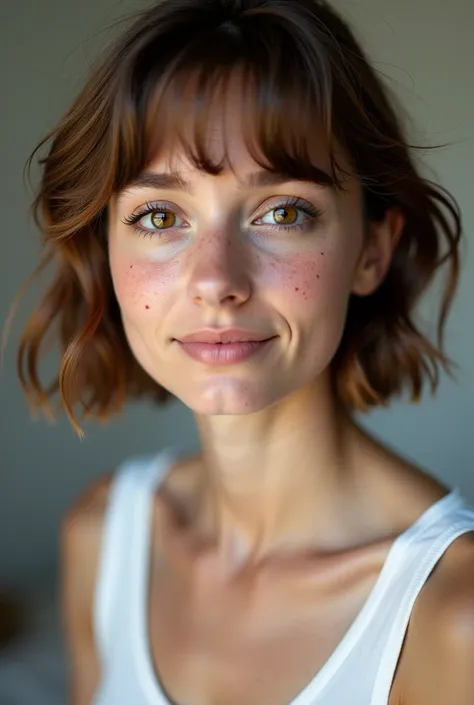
(307, 209)
(285, 201)
(151, 206)
(133, 219)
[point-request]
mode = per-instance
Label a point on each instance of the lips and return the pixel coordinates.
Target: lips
(223, 347)
(224, 337)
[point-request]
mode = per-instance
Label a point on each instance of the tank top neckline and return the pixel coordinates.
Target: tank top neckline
(149, 674)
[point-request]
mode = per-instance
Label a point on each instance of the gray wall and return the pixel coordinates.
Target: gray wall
(426, 51)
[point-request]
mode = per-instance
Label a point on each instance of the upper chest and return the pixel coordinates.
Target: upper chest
(259, 639)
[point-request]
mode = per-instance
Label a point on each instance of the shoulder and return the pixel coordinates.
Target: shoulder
(83, 518)
(80, 540)
(80, 544)
(437, 664)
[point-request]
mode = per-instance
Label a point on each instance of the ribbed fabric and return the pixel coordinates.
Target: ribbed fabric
(360, 671)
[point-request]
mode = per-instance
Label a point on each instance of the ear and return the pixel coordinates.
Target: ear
(381, 240)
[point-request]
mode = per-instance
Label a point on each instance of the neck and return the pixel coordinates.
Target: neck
(278, 481)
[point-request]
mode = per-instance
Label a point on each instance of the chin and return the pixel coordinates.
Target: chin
(225, 397)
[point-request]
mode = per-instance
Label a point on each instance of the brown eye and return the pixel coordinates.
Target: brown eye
(287, 215)
(163, 219)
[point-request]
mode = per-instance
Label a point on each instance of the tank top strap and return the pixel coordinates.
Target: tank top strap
(123, 539)
(429, 540)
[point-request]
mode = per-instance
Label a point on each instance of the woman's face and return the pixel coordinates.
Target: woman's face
(242, 256)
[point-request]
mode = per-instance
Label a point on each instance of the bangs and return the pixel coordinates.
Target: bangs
(185, 90)
(305, 93)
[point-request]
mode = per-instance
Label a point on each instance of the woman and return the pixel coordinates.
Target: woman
(237, 221)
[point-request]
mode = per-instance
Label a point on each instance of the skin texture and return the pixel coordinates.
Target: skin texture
(266, 545)
(220, 269)
(225, 263)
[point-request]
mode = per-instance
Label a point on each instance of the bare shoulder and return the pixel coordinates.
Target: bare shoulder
(81, 525)
(447, 600)
(93, 497)
(80, 541)
(80, 538)
(437, 663)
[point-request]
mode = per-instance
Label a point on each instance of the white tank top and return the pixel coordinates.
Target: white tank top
(361, 669)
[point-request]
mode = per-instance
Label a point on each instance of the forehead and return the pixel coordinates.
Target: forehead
(231, 156)
(225, 129)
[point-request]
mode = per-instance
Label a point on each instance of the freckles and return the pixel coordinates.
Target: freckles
(301, 275)
(131, 284)
(140, 281)
(305, 276)
(303, 294)
(134, 285)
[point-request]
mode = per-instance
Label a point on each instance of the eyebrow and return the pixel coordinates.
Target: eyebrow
(173, 181)
(266, 177)
(170, 181)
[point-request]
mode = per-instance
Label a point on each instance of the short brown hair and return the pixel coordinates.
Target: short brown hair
(308, 69)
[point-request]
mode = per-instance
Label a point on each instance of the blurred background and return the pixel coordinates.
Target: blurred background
(424, 51)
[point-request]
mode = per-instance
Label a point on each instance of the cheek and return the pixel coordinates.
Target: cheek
(313, 296)
(313, 281)
(140, 286)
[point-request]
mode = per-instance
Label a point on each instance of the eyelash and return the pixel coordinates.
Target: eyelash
(305, 207)
(134, 218)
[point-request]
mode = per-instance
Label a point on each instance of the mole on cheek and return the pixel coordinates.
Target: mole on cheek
(147, 307)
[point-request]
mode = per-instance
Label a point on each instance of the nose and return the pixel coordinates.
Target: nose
(219, 272)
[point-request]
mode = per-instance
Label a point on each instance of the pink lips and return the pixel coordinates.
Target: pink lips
(223, 347)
